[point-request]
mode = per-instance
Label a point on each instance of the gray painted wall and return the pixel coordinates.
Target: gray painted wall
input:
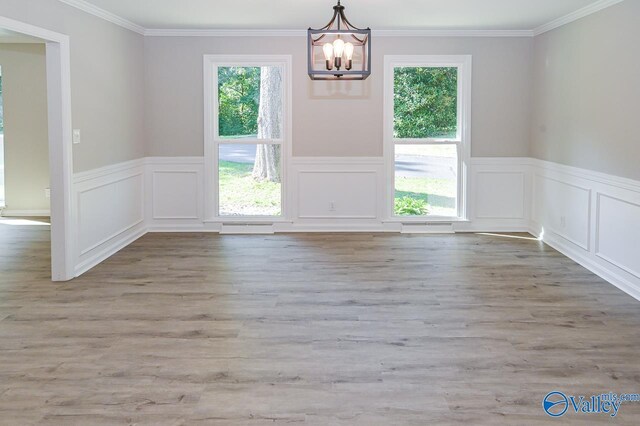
(353, 110)
(107, 89)
(586, 85)
(26, 145)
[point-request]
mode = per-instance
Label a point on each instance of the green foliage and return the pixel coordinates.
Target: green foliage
(425, 102)
(239, 98)
(407, 206)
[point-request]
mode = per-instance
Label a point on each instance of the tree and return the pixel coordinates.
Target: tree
(425, 102)
(267, 163)
(238, 90)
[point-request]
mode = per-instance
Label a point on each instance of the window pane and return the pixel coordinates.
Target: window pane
(425, 103)
(250, 102)
(426, 180)
(250, 180)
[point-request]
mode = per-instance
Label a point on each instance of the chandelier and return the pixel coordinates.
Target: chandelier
(339, 50)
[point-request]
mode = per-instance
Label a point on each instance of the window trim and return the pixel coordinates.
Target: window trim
(462, 141)
(212, 140)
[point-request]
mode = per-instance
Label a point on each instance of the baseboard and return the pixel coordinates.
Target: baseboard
(26, 213)
(506, 195)
(583, 259)
(110, 248)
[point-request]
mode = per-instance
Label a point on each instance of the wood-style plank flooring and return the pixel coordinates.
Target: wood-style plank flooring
(329, 329)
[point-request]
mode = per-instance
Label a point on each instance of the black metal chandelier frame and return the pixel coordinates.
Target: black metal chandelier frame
(340, 26)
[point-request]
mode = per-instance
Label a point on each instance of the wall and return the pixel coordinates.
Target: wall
(353, 110)
(106, 80)
(586, 91)
(26, 143)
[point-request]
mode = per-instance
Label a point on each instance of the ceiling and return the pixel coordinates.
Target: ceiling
(377, 14)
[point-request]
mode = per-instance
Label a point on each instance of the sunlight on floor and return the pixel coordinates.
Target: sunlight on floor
(24, 222)
(518, 237)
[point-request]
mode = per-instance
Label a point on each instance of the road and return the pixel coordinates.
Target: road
(406, 165)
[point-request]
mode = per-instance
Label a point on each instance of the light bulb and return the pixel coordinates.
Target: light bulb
(348, 51)
(328, 51)
(327, 48)
(338, 47)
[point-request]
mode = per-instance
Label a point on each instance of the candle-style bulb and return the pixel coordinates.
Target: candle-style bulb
(327, 48)
(348, 53)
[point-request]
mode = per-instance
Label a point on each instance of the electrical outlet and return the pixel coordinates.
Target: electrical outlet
(563, 221)
(76, 136)
(47, 193)
(332, 206)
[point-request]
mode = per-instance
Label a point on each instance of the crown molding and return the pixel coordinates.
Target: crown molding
(453, 33)
(222, 33)
(574, 16)
(303, 33)
(107, 16)
(122, 22)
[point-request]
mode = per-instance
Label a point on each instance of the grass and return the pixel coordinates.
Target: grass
(439, 194)
(242, 195)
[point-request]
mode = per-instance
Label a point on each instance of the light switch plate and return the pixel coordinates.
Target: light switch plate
(76, 136)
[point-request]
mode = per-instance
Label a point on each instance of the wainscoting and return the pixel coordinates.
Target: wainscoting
(591, 217)
(110, 211)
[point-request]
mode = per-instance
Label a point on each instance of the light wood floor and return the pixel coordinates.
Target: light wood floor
(353, 329)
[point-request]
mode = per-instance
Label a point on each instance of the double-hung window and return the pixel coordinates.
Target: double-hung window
(427, 135)
(247, 135)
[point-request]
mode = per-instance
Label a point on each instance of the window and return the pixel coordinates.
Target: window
(247, 136)
(2, 202)
(427, 101)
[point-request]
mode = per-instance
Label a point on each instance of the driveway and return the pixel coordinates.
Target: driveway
(408, 166)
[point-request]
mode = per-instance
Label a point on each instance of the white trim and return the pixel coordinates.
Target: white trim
(176, 32)
(465, 77)
(334, 161)
(212, 140)
(118, 242)
(173, 160)
(25, 213)
(106, 15)
(452, 33)
(185, 32)
(583, 258)
(598, 185)
(597, 251)
(63, 230)
(506, 161)
(107, 170)
(574, 16)
(223, 33)
(604, 178)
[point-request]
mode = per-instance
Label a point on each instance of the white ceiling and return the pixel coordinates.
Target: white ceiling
(377, 14)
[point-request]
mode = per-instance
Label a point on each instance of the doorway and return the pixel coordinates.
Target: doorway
(58, 82)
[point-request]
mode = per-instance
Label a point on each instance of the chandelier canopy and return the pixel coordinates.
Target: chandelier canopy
(339, 50)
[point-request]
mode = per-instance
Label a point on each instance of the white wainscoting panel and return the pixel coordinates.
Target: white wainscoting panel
(592, 218)
(618, 232)
(562, 205)
(175, 197)
(345, 194)
(110, 211)
(498, 195)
